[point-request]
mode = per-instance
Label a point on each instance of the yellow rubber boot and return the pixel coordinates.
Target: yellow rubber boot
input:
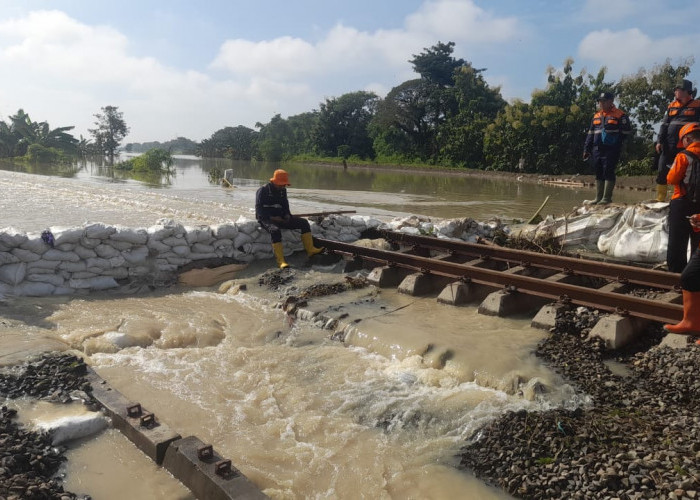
(308, 242)
(278, 250)
(661, 190)
(690, 324)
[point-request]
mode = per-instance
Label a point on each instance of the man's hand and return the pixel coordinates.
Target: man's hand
(586, 155)
(659, 147)
(694, 221)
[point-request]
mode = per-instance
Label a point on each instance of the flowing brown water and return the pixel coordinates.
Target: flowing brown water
(303, 416)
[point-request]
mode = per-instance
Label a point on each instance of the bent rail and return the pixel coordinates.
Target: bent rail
(654, 310)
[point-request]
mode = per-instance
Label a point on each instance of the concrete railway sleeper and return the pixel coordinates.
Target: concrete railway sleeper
(513, 285)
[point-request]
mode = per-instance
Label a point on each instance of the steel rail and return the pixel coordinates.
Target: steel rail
(605, 270)
(608, 301)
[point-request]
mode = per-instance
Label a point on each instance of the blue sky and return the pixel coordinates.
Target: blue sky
(184, 68)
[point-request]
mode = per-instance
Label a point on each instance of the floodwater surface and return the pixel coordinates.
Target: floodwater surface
(381, 415)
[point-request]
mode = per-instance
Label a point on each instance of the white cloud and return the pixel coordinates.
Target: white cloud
(624, 52)
(345, 49)
(63, 71)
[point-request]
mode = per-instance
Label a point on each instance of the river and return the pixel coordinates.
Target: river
(303, 416)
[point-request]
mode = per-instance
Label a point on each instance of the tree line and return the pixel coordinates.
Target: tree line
(448, 115)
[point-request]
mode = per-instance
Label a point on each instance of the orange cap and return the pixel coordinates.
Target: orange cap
(280, 178)
(687, 128)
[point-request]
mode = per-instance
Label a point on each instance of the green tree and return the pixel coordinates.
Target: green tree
(436, 64)
(344, 121)
(645, 95)
(546, 136)
(401, 127)
(462, 135)
(110, 131)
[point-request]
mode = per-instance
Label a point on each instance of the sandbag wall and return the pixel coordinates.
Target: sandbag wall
(101, 257)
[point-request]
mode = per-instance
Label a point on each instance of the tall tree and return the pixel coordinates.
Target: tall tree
(342, 122)
(110, 131)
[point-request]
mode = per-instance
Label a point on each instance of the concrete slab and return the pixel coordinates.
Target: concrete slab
(618, 331)
(674, 341)
(502, 303)
(546, 317)
(206, 473)
(458, 293)
(142, 428)
(418, 284)
(386, 276)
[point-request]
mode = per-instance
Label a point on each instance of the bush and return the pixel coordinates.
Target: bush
(636, 167)
(155, 160)
(41, 154)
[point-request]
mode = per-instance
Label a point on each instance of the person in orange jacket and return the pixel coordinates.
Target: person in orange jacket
(685, 176)
(686, 167)
(608, 130)
(690, 283)
(683, 110)
(273, 214)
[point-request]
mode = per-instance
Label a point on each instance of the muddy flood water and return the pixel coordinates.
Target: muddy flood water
(382, 415)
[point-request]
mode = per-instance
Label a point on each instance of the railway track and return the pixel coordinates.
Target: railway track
(614, 288)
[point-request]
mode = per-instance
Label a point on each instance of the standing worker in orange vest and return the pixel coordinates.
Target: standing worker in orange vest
(609, 128)
(686, 167)
(273, 214)
(683, 110)
(685, 176)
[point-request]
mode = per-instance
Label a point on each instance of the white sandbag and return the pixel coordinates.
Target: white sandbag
(84, 253)
(13, 274)
(99, 231)
(119, 245)
(136, 256)
(8, 258)
(158, 246)
(67, 234)
(66, 247)
(11, 237)
(582, 228)
(43, 264)
(127, 235)
(54, 279)
(89, 242)
(222, 243)
(228, 231)
(106, 251)
(72, 267)
(175, 241)
(92, 272)
(34, 289)
(96, 283)
(202, 255)
(359, 222)
(181, 250)
(198, 235)
(117, 261)
(202, 248)
(247, 226)
(34, 244)
(65, 429)
(241, 239)
(54, 254)
(97, 262)
(640, 235)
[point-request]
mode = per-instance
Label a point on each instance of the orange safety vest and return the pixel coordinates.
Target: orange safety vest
(676, 116)
(678, 171)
